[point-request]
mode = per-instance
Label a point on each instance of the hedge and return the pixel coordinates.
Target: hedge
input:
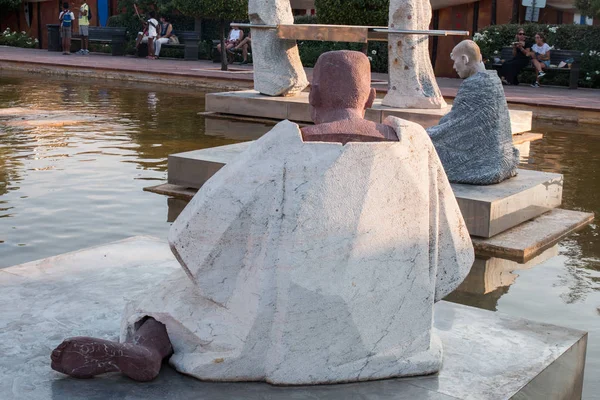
(353, 12)
(311, 50)
(583, 38)
(17, 39)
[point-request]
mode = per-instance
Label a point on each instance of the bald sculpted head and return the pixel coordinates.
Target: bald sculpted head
(467, 58)
(341, 81)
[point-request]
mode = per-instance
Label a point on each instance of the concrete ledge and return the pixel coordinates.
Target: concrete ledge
(250, 103)
(520, 244)
(492, 209)
(529, 239)
(486, 355)
(193, 168)
(487, 210)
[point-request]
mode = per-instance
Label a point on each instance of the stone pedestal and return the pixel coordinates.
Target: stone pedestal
(250, 103)
(515, 219)
(83, 294)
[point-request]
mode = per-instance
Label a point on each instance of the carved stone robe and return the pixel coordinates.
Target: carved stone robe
(474, 140)
(307, 263)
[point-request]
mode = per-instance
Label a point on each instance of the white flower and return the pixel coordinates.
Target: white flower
(497, 33)
(553, 29)
(374, 52)
(588, 78)
(370, 58)
(36, 40)
(495, 51)
(23, 32)
(597, 72)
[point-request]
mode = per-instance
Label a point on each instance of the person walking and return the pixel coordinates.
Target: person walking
(84, 24)
(66, 19)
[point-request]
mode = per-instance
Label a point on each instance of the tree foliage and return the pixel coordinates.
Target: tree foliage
(590, 8)
(9, 4)
(222, 10)
(353, 12)
(228, 10)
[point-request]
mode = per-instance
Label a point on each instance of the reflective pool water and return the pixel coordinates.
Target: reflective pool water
(76, 154)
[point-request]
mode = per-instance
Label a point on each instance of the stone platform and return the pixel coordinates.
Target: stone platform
(486, 355)
(250, 103)
(487, 210)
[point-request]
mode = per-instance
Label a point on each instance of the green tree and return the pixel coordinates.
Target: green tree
(591, 8)
(222, 10)
(9, 4)
(353, 12)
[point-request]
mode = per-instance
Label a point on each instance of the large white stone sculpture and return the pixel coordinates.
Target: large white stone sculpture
(278, 70)
(412, 82)
(313, 262)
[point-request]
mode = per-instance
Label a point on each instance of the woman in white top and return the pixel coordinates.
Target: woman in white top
(540, 56)
(235, 37)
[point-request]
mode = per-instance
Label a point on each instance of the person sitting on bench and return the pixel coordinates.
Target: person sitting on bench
(244, 46)
(234, 38)
(164, 36)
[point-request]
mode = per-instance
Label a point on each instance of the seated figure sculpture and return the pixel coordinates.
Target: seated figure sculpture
(474, 140)
(315, 257)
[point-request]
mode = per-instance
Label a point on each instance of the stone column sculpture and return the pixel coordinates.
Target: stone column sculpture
(278, 70)
(412, 82)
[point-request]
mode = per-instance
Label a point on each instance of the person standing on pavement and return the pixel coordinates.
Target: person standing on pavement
(84, 24)
(66, 19)
(152, 34)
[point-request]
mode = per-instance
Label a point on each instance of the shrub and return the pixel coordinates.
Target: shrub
(311, 50)
(9, 4)
(583, 38)
(17, 39)
(353, 12)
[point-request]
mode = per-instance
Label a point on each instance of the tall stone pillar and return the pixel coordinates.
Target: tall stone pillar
(278, 70)
(412, 83)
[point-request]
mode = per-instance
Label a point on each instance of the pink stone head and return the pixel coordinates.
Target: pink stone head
(341, 86)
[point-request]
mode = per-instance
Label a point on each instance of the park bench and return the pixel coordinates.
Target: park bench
(216, 56)
(188, 41)
(115, 36)
(556, 56)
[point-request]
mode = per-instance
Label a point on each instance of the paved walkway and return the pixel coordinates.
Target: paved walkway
(558, 97)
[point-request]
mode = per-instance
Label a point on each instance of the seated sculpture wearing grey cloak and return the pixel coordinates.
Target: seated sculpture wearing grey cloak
(474, 140)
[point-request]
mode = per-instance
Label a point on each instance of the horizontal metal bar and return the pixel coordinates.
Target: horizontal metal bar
(422, 32)
(257, 26)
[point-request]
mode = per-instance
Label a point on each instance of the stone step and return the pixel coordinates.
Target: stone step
(84, 293)
(487, 210)
(520, 244)
(250, 103)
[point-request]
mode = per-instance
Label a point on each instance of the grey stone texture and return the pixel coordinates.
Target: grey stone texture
(278, 70)
(474, 140)
(412, 81)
